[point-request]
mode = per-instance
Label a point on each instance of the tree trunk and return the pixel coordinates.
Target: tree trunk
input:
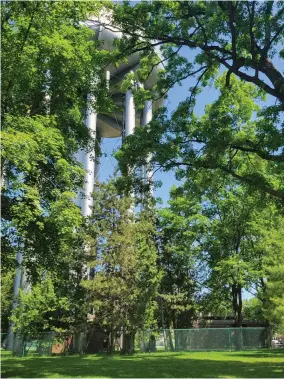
(110, 348)
(128, 342)
(171, 333)
(237, 304)
(152, 343)
(274, 76)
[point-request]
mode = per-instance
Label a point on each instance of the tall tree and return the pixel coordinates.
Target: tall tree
(123, 257)
(235, 222)
(50, 63)
(178, 291)
(272, 295)
(224, 231)
(244, 39)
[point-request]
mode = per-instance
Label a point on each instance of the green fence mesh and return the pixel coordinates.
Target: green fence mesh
(203, 339)
(147, 341)
(44, 344)
(3, 340)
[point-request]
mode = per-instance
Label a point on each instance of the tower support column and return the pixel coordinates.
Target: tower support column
(147, 113)
(97, 171)
(129, 119)
(88, 161)
(146, 118)
(129, 113)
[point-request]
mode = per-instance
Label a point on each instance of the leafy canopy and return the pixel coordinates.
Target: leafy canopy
(235, 136)
(50, 64)
(123, 259)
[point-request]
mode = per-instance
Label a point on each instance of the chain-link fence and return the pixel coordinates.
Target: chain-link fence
(3, 340)
(49, 343)
(145, 341)
(203, 339)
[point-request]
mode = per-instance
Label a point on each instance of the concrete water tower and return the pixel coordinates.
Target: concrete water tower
(119, 123)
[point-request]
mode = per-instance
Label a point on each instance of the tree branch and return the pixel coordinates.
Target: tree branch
(268, 11)
(244, 179)
(252, 37)
(183, 78)
(262, 154)
(220, 53)
(163, 60)
(232, 24)
(279, 31)
(196, 86)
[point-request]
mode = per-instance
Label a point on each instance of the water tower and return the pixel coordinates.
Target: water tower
(120, 123)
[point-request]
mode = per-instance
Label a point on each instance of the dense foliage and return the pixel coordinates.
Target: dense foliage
(124, 279)
(274, 272)
(50, 63)
(179, 290)
(216, 246)
(231, 158)
(235, 137)
(7, 279)
(40, 310)
(222, 231)
(49, 66)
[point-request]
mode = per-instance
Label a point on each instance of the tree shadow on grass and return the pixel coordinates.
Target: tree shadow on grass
(148, 366)
(272, 353)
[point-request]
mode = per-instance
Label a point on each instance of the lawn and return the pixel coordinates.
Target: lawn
(241, 364)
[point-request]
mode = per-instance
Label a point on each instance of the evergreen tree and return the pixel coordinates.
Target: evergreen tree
(178, 291)
(123, 257)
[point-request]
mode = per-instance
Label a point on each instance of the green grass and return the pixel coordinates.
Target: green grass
(241, 364)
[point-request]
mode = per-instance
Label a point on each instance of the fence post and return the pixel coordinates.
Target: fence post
(230, 341)
(269, 333)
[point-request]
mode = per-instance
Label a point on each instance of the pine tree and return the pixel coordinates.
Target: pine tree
(123, 258)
